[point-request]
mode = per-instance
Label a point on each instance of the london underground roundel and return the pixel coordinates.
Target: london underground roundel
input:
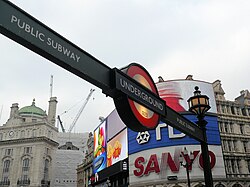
(136, 116)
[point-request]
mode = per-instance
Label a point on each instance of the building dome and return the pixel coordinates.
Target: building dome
(32, 110)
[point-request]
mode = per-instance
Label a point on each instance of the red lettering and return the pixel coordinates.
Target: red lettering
(188, 160)
(139, 166)
(167, 160)
(212, 160)
(152, 165)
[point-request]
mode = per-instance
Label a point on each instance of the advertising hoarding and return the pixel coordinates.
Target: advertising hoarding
(117, 139)
(117, 148)
(114, 125)
(100, 144)
(110, 142)
(154, 155)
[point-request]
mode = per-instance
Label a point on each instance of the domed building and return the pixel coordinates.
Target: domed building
(28, 145)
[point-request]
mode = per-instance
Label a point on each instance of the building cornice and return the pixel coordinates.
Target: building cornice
(30, 140)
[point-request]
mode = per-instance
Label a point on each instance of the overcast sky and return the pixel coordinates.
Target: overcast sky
(172, 38)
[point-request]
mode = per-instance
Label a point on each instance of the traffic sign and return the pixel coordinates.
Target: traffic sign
(139, 106)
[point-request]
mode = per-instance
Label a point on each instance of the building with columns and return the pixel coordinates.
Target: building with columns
(234, 124)
(28, 142)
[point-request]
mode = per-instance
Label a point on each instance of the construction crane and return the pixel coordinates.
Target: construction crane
(80, 111)
(78, 114)
(60, 121)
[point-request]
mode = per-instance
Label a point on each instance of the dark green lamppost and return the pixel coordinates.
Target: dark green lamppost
(199, 104)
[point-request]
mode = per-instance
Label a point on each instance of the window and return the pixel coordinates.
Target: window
(46, 170)
(242, 129)
(231, 128)
(221, 127)
(244, 113)
(27, 150)
(226, 127)
(8, 152)
(225, 145)
(233, 166)
(6, 166)
(1, 136)
(238, 111)
(245, 146)
(222, 109)
(235, 145)
(229, 146)
(47, 151)
(232, 109)
(6, 169)
(227, 165)
(248, 164)
(25, 169)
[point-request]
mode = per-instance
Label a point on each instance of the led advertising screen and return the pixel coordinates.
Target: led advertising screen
(100, 144)
(110, 142)
(154, 155)
(114, 125)
(117, 148)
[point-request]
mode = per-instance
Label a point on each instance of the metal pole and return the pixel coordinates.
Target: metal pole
(188, 178)
(206, 159)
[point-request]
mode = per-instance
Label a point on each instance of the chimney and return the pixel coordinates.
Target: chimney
(189, 77)
(242, 92)
(52, 110)
(13, 109)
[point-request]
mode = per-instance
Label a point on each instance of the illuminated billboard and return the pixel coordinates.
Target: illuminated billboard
(100, 144)
(154, 154)
(117, 148)
(114, 125)
(110, 142)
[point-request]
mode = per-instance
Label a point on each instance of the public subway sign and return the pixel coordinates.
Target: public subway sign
(31, 33)
(144, 108)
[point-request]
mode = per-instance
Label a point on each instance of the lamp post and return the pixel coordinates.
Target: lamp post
(199, 104)
(188, 162)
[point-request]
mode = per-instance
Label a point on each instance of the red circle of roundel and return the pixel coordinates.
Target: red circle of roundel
(146, 117)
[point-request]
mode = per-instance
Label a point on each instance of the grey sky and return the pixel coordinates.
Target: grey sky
(207, 39)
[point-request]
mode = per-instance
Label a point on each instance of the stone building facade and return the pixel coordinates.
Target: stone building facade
(84, 170)
(234, 124)
(28, 145)
(69, 155)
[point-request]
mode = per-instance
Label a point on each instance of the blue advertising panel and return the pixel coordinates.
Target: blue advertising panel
(165, 135)
(154, 154)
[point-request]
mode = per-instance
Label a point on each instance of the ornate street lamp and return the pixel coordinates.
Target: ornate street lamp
(199, 104)
(188, 162)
